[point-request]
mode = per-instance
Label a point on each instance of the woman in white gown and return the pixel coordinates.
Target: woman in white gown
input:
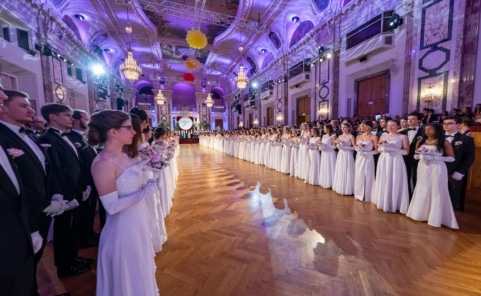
(431, 201)
(366, 147)
(328, 157)
(343, 182)
(314, 156)
(390, 192)
(286, 151)
(126, 263)
(303, 158)
(294, 143)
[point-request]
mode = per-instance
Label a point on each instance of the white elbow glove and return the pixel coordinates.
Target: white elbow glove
(37, 241)
(113, 204)
(401, 152)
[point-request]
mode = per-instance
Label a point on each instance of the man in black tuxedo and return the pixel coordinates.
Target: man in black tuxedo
(87, 208)
(382, 130)
(464, 151)
(33, 166)
(20, 233)
(414, 132)
(67, 168)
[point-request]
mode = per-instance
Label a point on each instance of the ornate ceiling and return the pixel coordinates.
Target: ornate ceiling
(265, 29)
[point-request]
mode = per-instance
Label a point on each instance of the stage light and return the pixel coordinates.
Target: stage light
(255, 84)
(395, 21)
(295, 19)
(98, 69)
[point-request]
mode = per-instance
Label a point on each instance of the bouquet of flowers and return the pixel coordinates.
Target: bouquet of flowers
(157, 162)
(146, 151)
(422, 150)
(153, 159)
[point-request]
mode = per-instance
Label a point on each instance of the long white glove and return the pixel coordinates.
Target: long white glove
(113, 204)
(57, 206)
(325, 147)
(86, 193)
(457, 176)
(312, 146)
(37, 241)
(342, 147)
(428, 157)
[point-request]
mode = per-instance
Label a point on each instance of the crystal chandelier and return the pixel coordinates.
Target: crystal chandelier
(159, 98)
(209, 102)
(241, 80)
(129, 67)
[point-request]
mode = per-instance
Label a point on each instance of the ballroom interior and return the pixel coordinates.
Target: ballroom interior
(228, 64)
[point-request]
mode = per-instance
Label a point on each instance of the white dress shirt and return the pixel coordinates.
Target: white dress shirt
(36, 150)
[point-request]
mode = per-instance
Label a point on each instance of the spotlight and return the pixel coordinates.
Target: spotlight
(295, 19)
(263, 50)
(255, 84)
(98, 69)
(395, 21)
(329, 55)
(321, 50)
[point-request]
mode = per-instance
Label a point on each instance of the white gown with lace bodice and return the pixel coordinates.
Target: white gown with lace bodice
(126, 263)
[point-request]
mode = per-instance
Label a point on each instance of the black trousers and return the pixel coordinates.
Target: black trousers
(65, 239)
(457, 192)
(84, 218)
(43, 223)
(19, 284)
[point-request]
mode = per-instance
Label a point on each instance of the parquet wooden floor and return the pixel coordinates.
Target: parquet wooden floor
(230, 235)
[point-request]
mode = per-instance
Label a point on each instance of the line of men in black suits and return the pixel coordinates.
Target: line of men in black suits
(45, 176)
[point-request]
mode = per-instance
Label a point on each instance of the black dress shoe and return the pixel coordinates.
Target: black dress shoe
(84, 260)
(73, 269)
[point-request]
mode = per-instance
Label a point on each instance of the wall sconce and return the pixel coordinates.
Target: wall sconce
(241, 124)
(279, 117)
(255, 122)
(431, 95)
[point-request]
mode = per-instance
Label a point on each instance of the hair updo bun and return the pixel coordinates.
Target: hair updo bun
(101, 122)
(159, 132)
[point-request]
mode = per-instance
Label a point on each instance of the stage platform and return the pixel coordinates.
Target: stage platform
(189, 141)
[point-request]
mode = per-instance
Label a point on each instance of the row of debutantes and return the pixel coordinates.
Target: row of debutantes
(48, 174)
(419, 171)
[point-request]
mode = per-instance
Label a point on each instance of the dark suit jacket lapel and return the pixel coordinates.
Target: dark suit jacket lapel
(11, 135)
(7, 183)
(61, 140)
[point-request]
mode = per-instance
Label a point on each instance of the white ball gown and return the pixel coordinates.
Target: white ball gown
(313, 165)
(343, 182)
(126, 263)
(328, 162)
(390, 192)
(364, 171)
(431, 201)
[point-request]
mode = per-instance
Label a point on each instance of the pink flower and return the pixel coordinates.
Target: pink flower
(45, 145)
(13, 152)
(77, 144)
(422, 149)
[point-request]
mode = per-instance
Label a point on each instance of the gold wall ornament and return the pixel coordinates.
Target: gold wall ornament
(196, 39)
(129, 67)
(191, 63)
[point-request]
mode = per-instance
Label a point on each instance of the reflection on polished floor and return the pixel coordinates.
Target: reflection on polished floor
(241, 229)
